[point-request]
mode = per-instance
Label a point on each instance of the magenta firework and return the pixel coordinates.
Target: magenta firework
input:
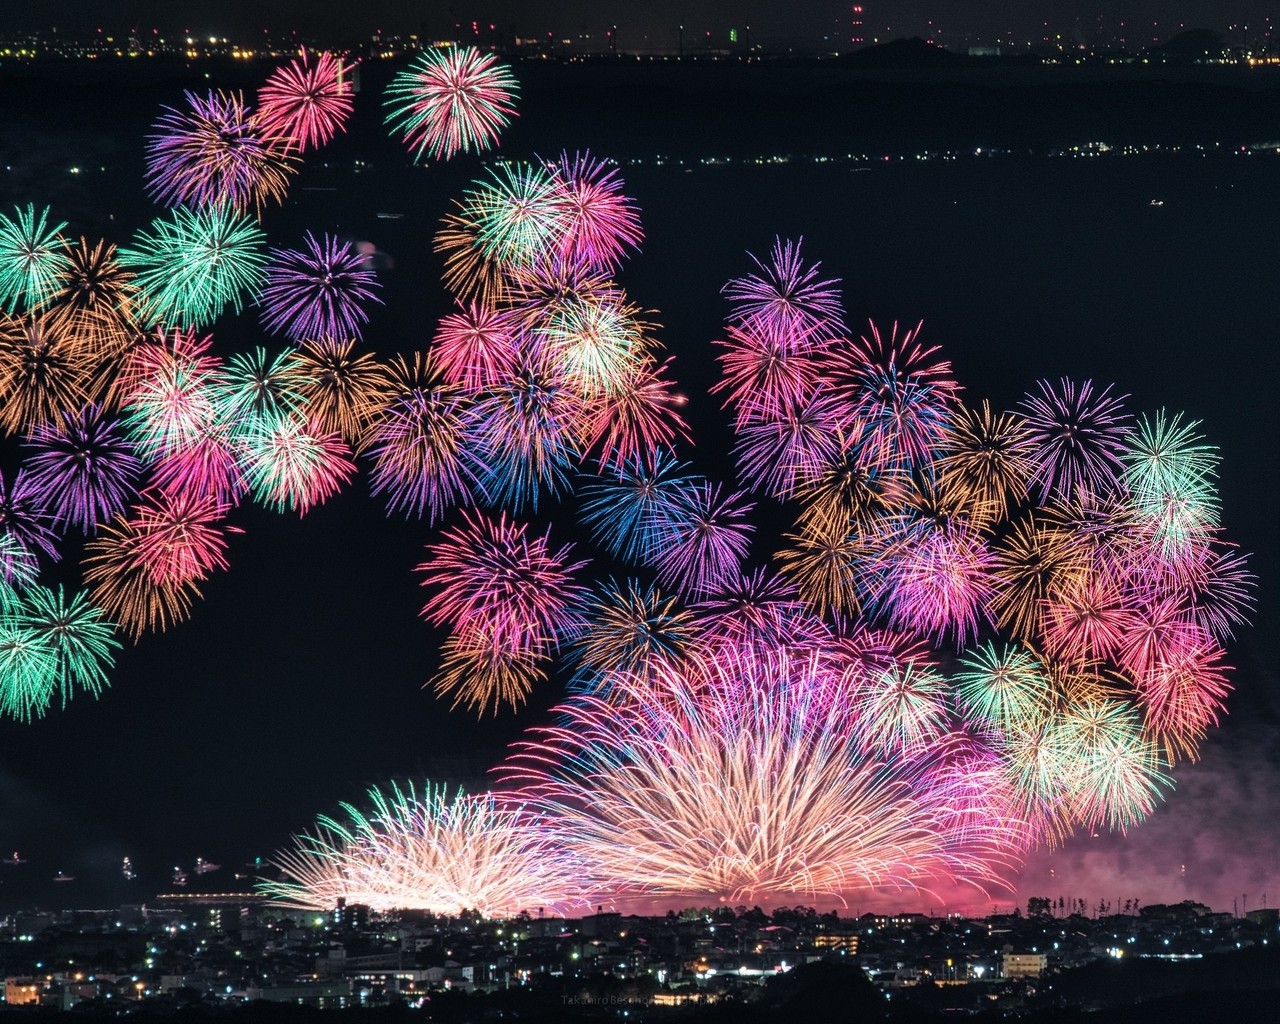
(752, 772)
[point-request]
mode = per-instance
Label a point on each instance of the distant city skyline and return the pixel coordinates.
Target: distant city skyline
(772, 22)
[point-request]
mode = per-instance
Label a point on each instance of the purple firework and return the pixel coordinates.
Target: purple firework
(706, 540)
(81, 468)
(319, 293)
(213, 155)
(25, 526)
(1078, 436)
(787, 294)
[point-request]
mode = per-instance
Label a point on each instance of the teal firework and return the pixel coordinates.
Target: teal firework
(33, 258)
(1003, 688)
(518, 212)
(195, 263)
(28, 669)
(258, 392)
(78, 635)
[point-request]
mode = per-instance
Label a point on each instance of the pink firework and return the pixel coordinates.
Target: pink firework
(1084, 619)
(1158, 632)
(638, 419)
(295, 465)
(323, 292)
(166, 389)
(600, 222)
(451, 101)
(144, 572)
(938, 580)
(180, 538)
(901, 393)
(81, 468)
(490, 573)
(1077, 437)
(475, 346)
(767, 371)
(307, 101)
(206, 467)
(419, 450)
(1184, 696)
(744, 778)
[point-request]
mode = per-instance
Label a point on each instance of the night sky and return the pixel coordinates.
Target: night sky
(297, 682)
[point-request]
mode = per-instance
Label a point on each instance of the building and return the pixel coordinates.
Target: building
(1023, 965)
(847, 941)
(22, 991)
(320, 994)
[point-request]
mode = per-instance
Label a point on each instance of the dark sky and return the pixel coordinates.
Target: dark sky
(297, 682)
(777, 20)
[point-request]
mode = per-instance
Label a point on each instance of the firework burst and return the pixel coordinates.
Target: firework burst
(214, 155)
(195, 264)
(306, 102)
(33, 259)
(82, 469)
(747, 781)
(451, 101)
(319, 293)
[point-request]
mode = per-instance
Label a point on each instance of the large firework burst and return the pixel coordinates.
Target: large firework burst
(745, 777)
(213, 154)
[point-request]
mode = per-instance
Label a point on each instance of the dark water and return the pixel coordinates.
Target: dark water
(296, 684)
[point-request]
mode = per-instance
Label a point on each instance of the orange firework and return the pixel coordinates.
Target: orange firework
(469, 273)
(820, 562)
(987, 454)
(97, 299)
(484, 668)
(144, 571)
(1028, 561)
(43, 372)
(342, 391)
